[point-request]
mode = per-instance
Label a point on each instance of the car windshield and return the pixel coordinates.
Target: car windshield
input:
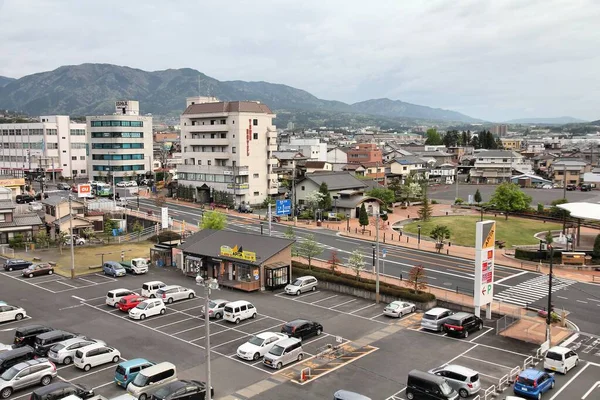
(429, 316)
(9, 374)
(142, 306)
(140, 380)
(297, 282)
(58, 347)
(525, 381)
(277, 350)
(451, 321)
(553, 356)
(446, 389)
(256, 341)
(212, 304)
(393, 306)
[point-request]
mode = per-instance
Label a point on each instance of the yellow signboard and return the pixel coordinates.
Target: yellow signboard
(236, 252)
(490, 240)
(12, 182)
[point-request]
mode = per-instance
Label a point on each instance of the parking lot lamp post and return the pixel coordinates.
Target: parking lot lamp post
(549, 309)
(419, 236)
(138, 200)
(208, 284)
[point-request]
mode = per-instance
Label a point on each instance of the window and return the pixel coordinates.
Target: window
(255, 122)
(83, 171)
(302, 188)
(234, 150)
(134, 135)
(255, 135)
(223, 122)
(75, 146)
(209, 162)
(255, 175)
(77, 132)
(138, 124)
(256, 194)
(212, 121)
(82, 158)
(73, 158)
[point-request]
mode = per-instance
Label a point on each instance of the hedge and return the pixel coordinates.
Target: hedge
(544, 255)
(365, 284)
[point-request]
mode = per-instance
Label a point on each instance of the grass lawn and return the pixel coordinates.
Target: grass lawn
(514, 231)
(88, 256)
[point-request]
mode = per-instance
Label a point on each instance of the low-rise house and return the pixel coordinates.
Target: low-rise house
(568, 171)
(58, 218)
(404, 166)
(12, 223)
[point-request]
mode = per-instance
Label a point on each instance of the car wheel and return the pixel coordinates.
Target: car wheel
(300, 357)
(480, 327)
(463, 393)
(87, 367)
(237, 321)
(31, 275)
(50, 272)
(191, 296)
(256, 356)
(116, 305)
(143, 316)
(297, 293)
(314, 288)
(116, 359)
(46, 380)
(162, 312)
(410, 396)
(152, 296)
(254, 316)
(142, 397)
(67, 360)
(279, 365)
(318, 332)
(552, 385)
(104, 272)
(169, 300)
(6, 392)
(466, 334)
(218, 316)
(413, 309)
(10, 269)
(539, 396)
(18, 317)
(577, 362)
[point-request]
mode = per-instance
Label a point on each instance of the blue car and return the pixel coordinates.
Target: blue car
(113, 268)
(533, 383)
(128, 370)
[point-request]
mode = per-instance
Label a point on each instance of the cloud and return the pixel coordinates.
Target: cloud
(492, 60)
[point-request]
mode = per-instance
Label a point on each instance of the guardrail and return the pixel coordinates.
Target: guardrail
(489, 392)
(528, 361)
(7, 251)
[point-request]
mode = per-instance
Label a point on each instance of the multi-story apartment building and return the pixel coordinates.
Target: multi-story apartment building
(499, 130)
(511, 143)
(55, 145)
(312, 148)
(496, 166)
(365, 153)
(228, 147)
(120, 144)
(568, 171)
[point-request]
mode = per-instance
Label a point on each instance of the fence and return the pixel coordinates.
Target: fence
(7, 251)
(505, 322)
(143, 235)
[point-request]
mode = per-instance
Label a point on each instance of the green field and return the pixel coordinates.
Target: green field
(514, 231)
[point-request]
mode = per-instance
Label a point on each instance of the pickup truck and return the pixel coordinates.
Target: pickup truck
(136, 266)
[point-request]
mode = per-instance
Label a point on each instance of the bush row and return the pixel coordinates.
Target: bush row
(365, 284)
(544, 255)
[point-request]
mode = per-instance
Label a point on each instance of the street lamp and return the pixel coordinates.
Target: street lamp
(348, 222)
(335, 199)
(419, 235)
(373, 246)
(261, 228)
(209, 284)
(138, 200)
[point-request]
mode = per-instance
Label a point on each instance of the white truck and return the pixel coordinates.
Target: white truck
(136, 265)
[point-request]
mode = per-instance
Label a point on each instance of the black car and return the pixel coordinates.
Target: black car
(25, 335)
(24, 199)
(183, 390)
(13, 265)
(59, 390)
(571, 187)
(301, 328)
(13, 357)
(63, 186)
(45, 341)
(462, 323)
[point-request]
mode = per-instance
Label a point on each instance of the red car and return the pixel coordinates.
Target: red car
(129, 302)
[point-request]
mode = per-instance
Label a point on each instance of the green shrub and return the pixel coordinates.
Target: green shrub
(435, 202)
(459, 201)
(540, 208)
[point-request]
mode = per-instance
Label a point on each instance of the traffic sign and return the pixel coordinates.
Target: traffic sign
(383, 252)
(283, 207)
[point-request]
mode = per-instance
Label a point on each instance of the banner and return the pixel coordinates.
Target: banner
(485, 242)
(84, 190)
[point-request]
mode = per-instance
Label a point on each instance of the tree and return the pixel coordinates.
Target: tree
(137, 228)
(309, 248)
(61, 239)
(477, 197)
(363, 217)
(313, 199)
(417, 278)
(396, 187)
(549, 238)
(291, 235)
(508, 198)
(426, 210)
(451, 138)
(439, 233)
(41, 239)
(109, 225)
(333, 261)
(159, 200)
(214, 220)
(356, 262)
(558, 212)
(89, 233)
(596, 251)
(410, 189)
(387, 196)
(433, 137)
(325, 202)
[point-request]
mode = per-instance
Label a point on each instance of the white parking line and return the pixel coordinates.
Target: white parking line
(477, 337)
(28, 283)
(87, 280)
(581, 301)
(346, 302)
(569, 381)
(326, 298)
(189, 329)
(487, 362)
(373, 318)
(231, 329)
(48, 281)
(173, 323)
(360, 309)
(66, 284)
(3, 324)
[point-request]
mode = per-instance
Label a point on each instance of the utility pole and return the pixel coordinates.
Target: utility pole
(270, 217)
(549, 309)
(72, 239)
(209, 284)
(456, 197)
(564, 197)
(377, 258)
(293, 188)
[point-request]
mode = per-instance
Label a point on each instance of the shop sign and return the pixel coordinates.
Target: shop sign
(12, 182)
(238, 252)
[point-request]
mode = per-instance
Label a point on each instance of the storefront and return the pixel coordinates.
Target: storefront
(241, 261)
(164, 254)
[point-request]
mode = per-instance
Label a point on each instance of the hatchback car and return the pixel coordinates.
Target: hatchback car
(24, 198)
(128, 302)
(259, 345)
(11, 313)
(94, 355)
(435, 318)
(36, 206)
(216, 308)
(63, 186)
(128, 370)
(560, 359)
(37, 270)
(462, 379)
(64, 352)
(25, 374)
(533, 383)
(183, 390)
(25, 335)
(461, 324)
(173, 293)
(149, 289)
(398, 309)
(113, 297)
(15, 264)
(45, 341)
(113, 268)
(148, 308)
(301, 328)
(60, 390)
(301, 285)
(79, 241)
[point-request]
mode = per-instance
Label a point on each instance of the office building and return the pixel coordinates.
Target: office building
(54, 145)
(499, 130)
(365, 153)
(120, 144)
(228, 150)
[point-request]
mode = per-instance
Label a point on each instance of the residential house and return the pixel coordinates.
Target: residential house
(568, 171)
(435, 157)
(58, 218)
(312, 148)
(496, 166)
(365, 153)
(374, 170)
(404, 166)
(458, 152)
(317, 166)
(13, 223)
(542, 162)
(442, 173)
(395, 153)
(530, 180)
(337, 155)
(511, 143)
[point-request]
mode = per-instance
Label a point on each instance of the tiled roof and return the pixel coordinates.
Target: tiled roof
(228, 106)
(336, 180)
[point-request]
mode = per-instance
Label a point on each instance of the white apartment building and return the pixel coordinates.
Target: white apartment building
(228, 147)
(55, 144)
(120, 144)
(496, 166)
(314, 149)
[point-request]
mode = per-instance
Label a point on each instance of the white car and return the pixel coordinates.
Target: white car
(173, 293)
(131, 184)
(78, 240)
(547, 186)
(35, 206)
(560, 359)
(11, 313)
(64, 352)
(259, 345)
(121, 184)
(94, 355)
(148, 308)
(398, 309)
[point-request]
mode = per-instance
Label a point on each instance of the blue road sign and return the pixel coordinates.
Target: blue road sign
(283, 207)
(383, 252)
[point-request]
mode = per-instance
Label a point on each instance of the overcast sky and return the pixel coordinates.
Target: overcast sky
(493, 59)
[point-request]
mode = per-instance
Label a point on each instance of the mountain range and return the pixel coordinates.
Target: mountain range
(549, 121)
(90, 89)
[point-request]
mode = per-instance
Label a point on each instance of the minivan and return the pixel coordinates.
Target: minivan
(283, 353)
(25, 335)
(462, 379)
(15, 356)
(237, 311)
(152, 378)
(346, 395)
(45, 341)
(560, 359)
(128, 370)
(60, 390)
(114, 296)
(435, 318)
(149, 289)
(422, 385)
(302, 284)
(462, 323)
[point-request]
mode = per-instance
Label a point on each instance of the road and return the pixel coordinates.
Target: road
(512, 285)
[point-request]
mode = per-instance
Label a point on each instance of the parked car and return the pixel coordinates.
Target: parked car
(15, 264)
(136, 266)
(64, 352)
(257, 346)
(245, 208)
(25, 374)
(12, 357)
(173, 293)
(283, 353)
(151, 379)
(302, 284)
(571, 187)
(63, 186)
(398, 309)
(461, 324)
(547, 186)
(78, 240)
(423, 385)
(60, 390)
(24, 199)
(37, 270)
(131, 184)
(25, 335)
(347, 395)
(11, 313)
(148, 308)
(36, 206)
(149, 289)
(301, 328)
(94, 355)
(462, 379)
(113, 297)
(533, 383)
(121, 184)
(435, 318)
(128, 370)
(113, 268)
(586, 187)
(128, 302)
(560, 359)
(240, 310)
(45, 341)
(216, 308)
(183, 390)
(74, 188)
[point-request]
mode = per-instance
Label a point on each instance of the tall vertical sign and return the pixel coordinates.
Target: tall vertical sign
(248, 137)
(164, 217)
(485, 241)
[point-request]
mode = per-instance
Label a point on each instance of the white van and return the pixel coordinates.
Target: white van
(113, 297)
(152, 378)
(283, 353)
(149, 289)
(560, 359)
(237, 311)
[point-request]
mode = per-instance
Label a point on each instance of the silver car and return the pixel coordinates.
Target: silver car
(215, 308)
(63, 352)
(462, 379)
(25, 374)
(435, 318)
(302, 284)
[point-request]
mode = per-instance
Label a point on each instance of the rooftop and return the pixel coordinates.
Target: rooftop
(336, 180)
(227, 107)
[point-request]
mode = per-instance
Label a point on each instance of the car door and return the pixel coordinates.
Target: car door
(23, 378)
(547, 382)
(180, 293)
(151, 309)
(570, 359)
(244, 311)
(104, 356)
(4, 314)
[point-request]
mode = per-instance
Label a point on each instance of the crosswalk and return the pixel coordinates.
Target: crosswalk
(531, 290)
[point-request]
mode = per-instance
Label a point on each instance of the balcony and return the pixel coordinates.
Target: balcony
(272, 147)
(240, 188)
(273, 177)
(240, 171)
(271, 135)
(272, 190)
(207, 142)
(205, 128)
(272, 161)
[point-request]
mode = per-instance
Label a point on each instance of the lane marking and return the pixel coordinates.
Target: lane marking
(569, 381)
(488, 331)
(488, 362)
(510, 277)
(326, 298)
(29, 283)
(581, 301)
(360, 309)
(346, 302)
(79, 298)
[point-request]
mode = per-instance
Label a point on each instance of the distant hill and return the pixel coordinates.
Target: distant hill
(550, 121)
(89, 89)
(5, 81)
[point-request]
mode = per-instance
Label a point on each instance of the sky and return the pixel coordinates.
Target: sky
(493, 59)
